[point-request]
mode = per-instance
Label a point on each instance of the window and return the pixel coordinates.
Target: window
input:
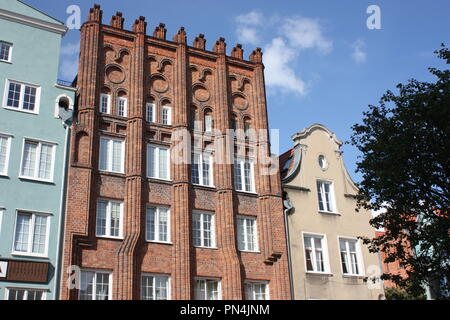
(109, 218)
(209, 123)
(5, 51)
(323, 163)
(247, 129)
(31, 234)
(243, 175)
(155, 287)
(256, 290)
(326, 197)
(5, 145)
(25, 294)
(195, 124)
(150, 115)
(95, 285)
(37, 160)
(207, 289)
(167, 116)
(350, 256)
(122, 106)
(105, 103)
(22, 96)
(158, 162)
(202, 169)
(158, 224)
(246, 232)
(112, 155)
(203, 229)
(315, 253)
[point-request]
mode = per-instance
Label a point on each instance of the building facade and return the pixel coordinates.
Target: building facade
(33, 143)
(148, 218)
(328, 261)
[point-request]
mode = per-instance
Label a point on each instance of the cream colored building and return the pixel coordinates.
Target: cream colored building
(327, 259)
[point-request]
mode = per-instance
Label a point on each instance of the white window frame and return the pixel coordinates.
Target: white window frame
(213, 229)
(157, 157)
(209, 125)
(125, 106)
(332, 197)
(359, 256)
(168, 121)
(10, 47)
(109, 156)
(37, 160)
(326, 257)
(258, 282)
(8, 289)
(153, 107)
(94, 287)
(29, 251)
(8, 152)
(201, 155)
(219, 287)
(2, 211)
(241, 162)
(108, 107)
(21, 97)
(245, 244)
(157, 218)
(169, 284)
(109, 219)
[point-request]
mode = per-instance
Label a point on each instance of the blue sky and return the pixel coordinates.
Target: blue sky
(323, 65)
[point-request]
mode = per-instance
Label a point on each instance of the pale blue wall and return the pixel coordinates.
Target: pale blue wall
(35, 58)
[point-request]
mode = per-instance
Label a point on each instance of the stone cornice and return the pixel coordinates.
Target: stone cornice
(33, 22)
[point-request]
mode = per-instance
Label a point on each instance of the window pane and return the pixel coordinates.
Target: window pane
(237, 175)
(29, 159)
(3, 154)
(121, 107)
(205, 170)
(161, 284)
(115, 219)
(241, 233)
(45, 163)
(163, 164)
(208, 123)
(195, 169)
(248, 176)
(40, 234)
(104, 151)
(4, 51)
(102, 286)
(87, 285)
(101, 218)
(104, 101)
(14, 95)
(151, 163)
(22, 232)
(163, 224)
(117, 163)
(319, 194)
(147, 288)
(151, 224)
(207, 237)
(29, 98)
(150, 112)
(196, 229)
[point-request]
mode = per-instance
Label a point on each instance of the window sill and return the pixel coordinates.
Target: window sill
(201, 186)
(30, 255)
(354, 276)
(151, 179)
(325, 274)
(247, 193)
(21, 110)
(330, 213)
(36, 180)
(159, 242)
(109, 238)
(115, 173)
(6, 61)
(201, 247)
(250, 251)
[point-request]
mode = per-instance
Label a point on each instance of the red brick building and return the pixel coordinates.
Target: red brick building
(140, 224)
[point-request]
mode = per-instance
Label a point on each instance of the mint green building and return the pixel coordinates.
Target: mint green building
(35, 115)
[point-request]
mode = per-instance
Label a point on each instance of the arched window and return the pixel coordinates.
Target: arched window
(248, 128)
(194, 121)
(166, 113)
(234, 122)
(150, 112)
(122, 104)
(208, 120)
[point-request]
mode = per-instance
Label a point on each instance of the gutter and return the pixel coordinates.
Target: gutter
(286, 227)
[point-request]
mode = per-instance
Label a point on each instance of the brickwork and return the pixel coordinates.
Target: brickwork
(150, 68)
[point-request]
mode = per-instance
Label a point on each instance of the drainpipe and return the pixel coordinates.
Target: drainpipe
(286, 227)
(62, 213)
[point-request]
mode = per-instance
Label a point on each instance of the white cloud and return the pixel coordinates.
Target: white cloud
(248, 25)
(70, 49)
(294, 34)
(359, 51)
(306, 33)
(278, 58)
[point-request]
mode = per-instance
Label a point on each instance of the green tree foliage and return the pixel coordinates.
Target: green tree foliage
(405, 164)
(397, 294)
